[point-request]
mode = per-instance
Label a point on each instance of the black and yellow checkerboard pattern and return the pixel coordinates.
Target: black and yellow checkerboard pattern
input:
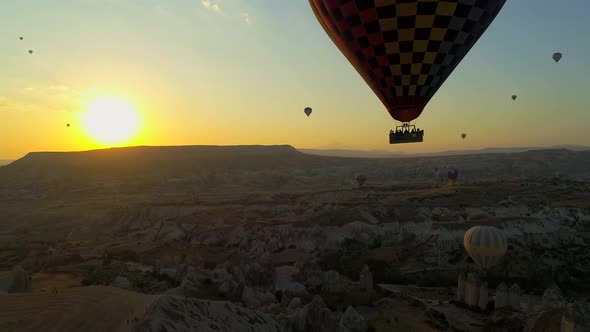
(405, 49)
(321, 13)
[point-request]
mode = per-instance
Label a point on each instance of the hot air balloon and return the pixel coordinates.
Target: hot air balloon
(463, 135)
(556, 57)
(452, 174)
(360, 179)
(68, 125)
(486, 245)
(21, 38)
(405, 50)
(30, 51)
(513, 97)
(307, 111)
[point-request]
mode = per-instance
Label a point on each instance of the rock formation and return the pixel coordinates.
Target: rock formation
(501, 296)
(578, 319)
(333, 282)
(315, 317)
(366, 279)
(121, 282)
(19, 281)
(461, 288)
(283, 281)
(172, 313)
(253, 298)
(552, 298)
(353, 321)
(295, 303)
(483, 296)
(472, 290)
(514, 297)
(528, 302)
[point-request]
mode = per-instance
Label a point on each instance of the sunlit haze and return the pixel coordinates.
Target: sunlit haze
(184, 72)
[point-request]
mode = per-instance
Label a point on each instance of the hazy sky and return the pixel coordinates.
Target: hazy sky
(241, 72)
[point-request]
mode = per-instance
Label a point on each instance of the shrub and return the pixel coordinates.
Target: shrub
(128, 255)
(358, 298)
(352, 247)
(210, 264)
(88, 281)
(107, 259)
(329, 260)
(279, 295)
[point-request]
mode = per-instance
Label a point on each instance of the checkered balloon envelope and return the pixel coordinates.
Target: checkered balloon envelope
(405, 49)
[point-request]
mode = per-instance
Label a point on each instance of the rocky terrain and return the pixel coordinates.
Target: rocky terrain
(272, 239)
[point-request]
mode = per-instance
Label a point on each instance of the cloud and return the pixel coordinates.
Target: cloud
(211, 5)
(11, 105)
(50, 94)
(246, 18)
(214, 6)
(46, 98)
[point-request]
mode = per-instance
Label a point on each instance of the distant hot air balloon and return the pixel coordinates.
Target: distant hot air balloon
(452, 174)
(513, 97)
(21, 38)
(360, 179)
(405, 50)
(30, 51)
(556, 57)
(307, 111)
(68, 125)
(463, 135)
(486, 245)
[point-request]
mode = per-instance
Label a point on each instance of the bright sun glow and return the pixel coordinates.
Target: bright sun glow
(110, 120)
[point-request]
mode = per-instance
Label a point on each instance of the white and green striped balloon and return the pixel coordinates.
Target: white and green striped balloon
(486, 245)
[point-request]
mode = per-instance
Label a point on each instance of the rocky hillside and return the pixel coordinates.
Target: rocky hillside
(265, 167)
(272, 239)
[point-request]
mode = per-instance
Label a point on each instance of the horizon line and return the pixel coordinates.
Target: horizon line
(393, 153)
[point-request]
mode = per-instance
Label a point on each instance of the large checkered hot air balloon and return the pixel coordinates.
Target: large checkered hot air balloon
(405, 50)
(486, 245)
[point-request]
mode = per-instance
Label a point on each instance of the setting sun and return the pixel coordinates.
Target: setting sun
(110, 120)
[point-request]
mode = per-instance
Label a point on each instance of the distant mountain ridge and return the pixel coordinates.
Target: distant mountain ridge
(150, 160)
(189, 167)
(354, 153)
(269, 150)
(388, 154)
